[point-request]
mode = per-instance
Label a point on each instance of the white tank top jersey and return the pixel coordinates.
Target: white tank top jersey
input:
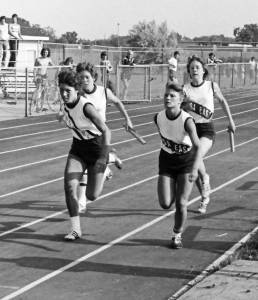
(82, 127)
(174, 137)
(201, 100)
(4, 35)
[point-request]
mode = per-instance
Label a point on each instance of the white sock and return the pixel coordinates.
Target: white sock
(75, 223)
(176, 235)
(206, 178)
(111, 157)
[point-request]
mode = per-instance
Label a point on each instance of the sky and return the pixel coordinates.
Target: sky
(97, 19)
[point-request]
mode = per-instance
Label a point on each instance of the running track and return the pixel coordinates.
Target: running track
(124, 252)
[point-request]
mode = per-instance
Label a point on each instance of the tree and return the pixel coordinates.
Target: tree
(249, 33)
(46, 31)
(150, 34)
(70, 37)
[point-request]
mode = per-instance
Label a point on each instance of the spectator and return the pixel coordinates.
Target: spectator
(105, 71)
(4, 37)
(15, 36)
(172, 67)
(212, 59)
(252, 69)
(126, 74)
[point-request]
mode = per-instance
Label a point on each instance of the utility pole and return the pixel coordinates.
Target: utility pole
(118, 44)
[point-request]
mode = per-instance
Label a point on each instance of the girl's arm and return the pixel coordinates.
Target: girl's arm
(91, 113)
(223, 102)
(191, 129)
(118, 103)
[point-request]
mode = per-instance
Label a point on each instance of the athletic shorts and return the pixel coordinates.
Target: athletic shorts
(206, 130)
(174, 164)
(89, 151)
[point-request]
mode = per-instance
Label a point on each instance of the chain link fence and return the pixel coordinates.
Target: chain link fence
(38, 91)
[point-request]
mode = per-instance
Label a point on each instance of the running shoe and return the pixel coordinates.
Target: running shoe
(176, 242)
(203, 205)
(72, 236)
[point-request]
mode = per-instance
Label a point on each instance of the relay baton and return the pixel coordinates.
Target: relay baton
(231, 140)
(135, 134)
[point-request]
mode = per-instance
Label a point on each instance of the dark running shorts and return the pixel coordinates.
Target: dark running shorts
(173, 164)
(206, 130)
(87, 150)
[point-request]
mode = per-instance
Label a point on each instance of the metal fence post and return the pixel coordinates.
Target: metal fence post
(149, 83)
(26, 92)
(232, 74)
(117, 80)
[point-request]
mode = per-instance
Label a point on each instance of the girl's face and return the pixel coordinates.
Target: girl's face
(45, 53)
(172, 99)
(86, 80)
(68, 93)
(196, 70)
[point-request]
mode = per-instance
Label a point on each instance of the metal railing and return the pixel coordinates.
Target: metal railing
(129, 83)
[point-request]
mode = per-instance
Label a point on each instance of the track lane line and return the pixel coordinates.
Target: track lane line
(115, 241)
(101, 197)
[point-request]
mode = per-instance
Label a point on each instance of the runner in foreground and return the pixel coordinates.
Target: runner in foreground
(89, 150)
(179, 158)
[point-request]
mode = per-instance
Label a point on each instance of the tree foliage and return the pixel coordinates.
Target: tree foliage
(70, 37)
(150, 34)
(248, 33)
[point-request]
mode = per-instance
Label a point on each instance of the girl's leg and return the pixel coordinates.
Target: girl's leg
(183, 191)
(166, 191)
(125, 88)
(95, 182)
(203, 181)
(73, 172)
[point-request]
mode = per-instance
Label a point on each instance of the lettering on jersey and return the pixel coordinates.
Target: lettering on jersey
(177, 148)
(201, 110)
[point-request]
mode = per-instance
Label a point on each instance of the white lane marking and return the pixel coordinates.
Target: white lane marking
(108, 121)
(117, 129)
(114, 242)
(222, 234)
(55, 121)
(251, 93)
(101, 197)
(125, 141)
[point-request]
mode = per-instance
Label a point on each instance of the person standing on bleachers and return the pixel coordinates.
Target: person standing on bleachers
(4, 37)
(15, 36)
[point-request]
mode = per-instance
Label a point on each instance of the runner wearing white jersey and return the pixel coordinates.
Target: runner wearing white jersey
(89, 150)
(199, 97)
(98, 95)
(179, 158)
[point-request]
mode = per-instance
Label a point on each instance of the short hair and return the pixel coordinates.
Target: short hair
(14, 16)
(68, 77)
(195, 58)
(45, 49)
(68, 60)
(211, 54)
(84, 66)
(176, 53)
(103, 53)
(2, 18)
(174, 86)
